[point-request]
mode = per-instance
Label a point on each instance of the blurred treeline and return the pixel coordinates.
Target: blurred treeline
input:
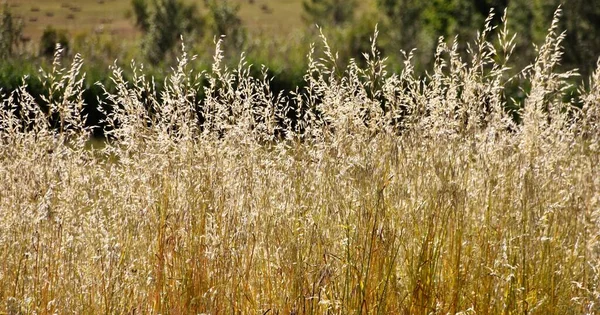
(348, 25)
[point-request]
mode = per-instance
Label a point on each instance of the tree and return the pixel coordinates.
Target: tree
(164, 24)
(142, 14)
(329, 12)
(11, 31)
(404, 27)
(580, 20)
(224, 20)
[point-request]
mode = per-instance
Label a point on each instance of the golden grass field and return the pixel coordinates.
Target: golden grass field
(386, 194)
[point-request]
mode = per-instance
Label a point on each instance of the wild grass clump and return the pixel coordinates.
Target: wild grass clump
(367, 192)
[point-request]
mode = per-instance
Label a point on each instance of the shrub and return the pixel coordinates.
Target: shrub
(329, 12)
(52, 37)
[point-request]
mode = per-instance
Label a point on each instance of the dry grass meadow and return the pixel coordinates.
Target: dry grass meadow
(81, 17)
(386, 194)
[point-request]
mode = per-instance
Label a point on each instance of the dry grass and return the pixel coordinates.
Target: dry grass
(282, 18)
(390, 195)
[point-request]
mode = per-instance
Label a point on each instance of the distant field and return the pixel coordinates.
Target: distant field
(114, 16)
